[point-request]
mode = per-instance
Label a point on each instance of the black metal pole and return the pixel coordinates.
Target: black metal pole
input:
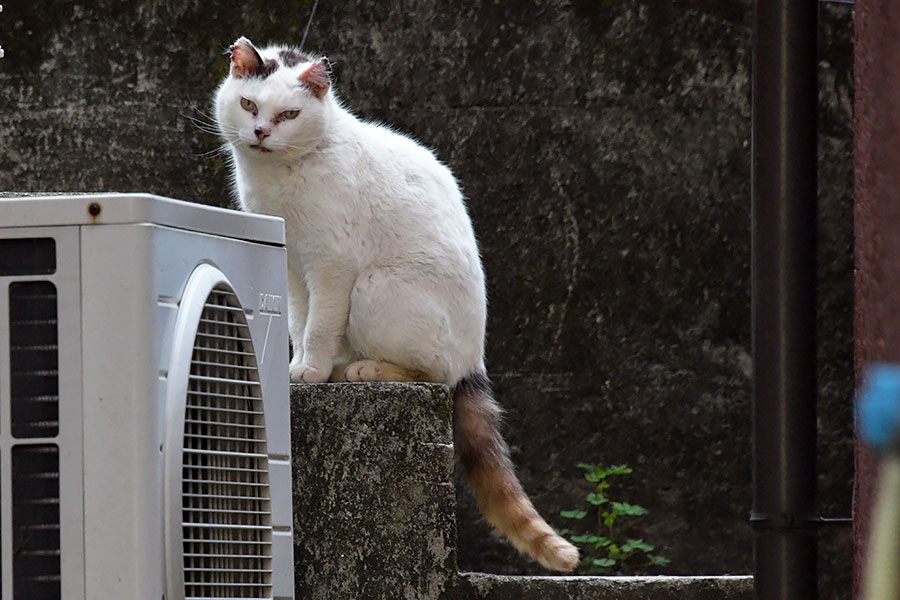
(784, 299)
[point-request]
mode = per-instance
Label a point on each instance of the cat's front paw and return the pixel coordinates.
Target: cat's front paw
(304, 373)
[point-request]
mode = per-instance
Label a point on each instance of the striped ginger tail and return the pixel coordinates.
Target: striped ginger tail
(490, 471)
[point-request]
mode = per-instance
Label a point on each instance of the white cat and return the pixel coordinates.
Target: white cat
(384, 277)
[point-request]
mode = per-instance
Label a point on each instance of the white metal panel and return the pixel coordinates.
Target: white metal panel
(252, 270)
(71, 456)
(149, 268)
(283, 565)
(123, 423)
(66, 280)
(280, 470)
(118, 209)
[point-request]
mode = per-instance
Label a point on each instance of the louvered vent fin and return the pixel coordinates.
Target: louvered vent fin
(34, 359)
(35, 522)
(226, 508)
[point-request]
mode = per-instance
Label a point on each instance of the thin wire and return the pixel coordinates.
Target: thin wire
(312, 13)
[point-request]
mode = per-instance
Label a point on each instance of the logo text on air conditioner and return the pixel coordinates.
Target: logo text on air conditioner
(270, 304)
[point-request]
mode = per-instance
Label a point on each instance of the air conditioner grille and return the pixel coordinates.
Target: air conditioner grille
(36, 549)
(34, 359)
(226, 509)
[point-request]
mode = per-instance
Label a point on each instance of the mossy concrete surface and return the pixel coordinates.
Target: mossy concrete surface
(373, 494)
(375, 508)
(481, 586)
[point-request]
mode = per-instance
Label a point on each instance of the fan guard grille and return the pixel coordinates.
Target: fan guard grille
(226, 507)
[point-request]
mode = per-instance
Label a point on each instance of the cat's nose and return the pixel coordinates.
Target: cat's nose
(262, 133)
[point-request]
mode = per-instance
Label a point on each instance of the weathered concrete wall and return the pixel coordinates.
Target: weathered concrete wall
(604, 149)
(374, 508)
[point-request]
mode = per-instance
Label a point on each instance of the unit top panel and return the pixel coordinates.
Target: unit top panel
(42, 210)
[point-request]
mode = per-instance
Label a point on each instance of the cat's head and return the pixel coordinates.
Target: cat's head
(275, 101)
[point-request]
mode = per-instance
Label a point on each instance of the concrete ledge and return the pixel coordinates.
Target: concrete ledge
(481, 586)
(375, 509)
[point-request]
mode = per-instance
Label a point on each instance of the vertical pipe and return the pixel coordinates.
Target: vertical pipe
(784, 298)
(876, 132)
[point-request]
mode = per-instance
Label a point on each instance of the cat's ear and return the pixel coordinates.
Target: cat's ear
(317, 77)
(245, 60)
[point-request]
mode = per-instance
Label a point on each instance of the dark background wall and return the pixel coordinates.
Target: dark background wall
(604, 149)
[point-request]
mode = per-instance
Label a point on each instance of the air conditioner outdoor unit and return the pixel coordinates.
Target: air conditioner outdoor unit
(144, 417)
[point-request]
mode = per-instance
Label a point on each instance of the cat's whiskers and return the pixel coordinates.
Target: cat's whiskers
(210, 118)
(222, 149)
(207, 123)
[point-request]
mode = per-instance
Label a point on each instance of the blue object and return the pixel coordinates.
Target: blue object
(878, 406)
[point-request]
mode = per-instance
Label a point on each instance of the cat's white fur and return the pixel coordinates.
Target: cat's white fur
(382, 257)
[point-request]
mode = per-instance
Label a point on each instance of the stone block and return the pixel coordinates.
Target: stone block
(373, 496)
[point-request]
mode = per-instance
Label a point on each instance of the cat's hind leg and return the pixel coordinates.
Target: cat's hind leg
(376, 370)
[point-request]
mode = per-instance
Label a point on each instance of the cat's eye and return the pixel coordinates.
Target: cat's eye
(249, 105)
(290, 114)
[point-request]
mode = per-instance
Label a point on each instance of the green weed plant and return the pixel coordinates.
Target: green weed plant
(605, 551)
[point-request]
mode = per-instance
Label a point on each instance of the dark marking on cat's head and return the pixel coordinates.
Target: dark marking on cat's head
(246, 61)
(291, 58)
(317, 77)
(269, 66)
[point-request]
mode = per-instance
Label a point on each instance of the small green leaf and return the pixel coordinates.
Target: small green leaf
(594, 473)
(584, 539)
(601, 542)
(620, 470)
(658, 560)
(604, 562)
(596, 498)
(632, 510)
(563, 531)
(572, 514)
(631, 545)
